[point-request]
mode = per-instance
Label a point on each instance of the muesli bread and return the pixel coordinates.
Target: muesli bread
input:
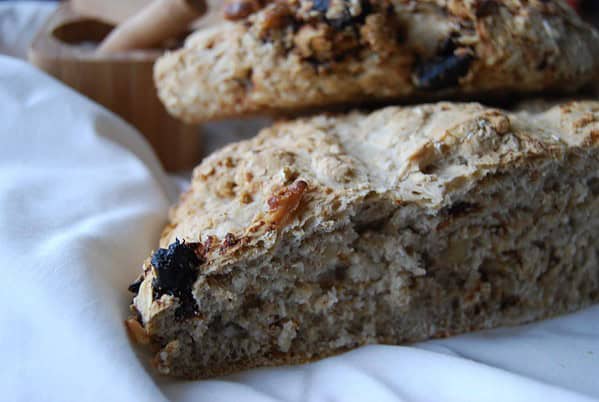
(326, 233)
(287, 55)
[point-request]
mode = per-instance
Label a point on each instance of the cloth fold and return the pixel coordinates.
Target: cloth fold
(82, 202)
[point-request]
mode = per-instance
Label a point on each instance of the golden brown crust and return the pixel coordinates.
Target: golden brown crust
(269, 361)
(290, 56)
(333, 156)
(313, 236)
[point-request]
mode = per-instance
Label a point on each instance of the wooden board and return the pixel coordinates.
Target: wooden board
(122, 82)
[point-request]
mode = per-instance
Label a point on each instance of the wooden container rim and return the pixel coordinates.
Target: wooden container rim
(46, 39)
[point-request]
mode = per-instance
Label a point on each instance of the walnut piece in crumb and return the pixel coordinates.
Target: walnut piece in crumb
(382, 33)
(275, 16)
(137, 331)
(285, 203)
(314, 41)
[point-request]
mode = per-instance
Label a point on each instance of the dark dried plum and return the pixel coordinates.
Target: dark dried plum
(486, 8)
(320, 5)
(442, 72)
(175, 267)
(446, 47)
(461, 208)
(176, 271)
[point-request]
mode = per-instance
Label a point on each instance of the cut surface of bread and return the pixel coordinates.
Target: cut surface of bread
(408, 223)
(295, 55)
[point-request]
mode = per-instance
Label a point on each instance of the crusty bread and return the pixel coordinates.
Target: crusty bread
(304, 54)
(326, 233)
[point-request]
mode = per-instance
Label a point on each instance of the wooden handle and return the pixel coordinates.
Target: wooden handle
(111, 11)
(160, 20)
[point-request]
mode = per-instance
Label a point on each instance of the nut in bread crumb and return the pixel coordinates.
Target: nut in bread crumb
(137, 331)
(285, 203)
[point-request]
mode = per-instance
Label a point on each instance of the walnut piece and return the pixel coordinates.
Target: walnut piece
(314, 41)
(381, 32)
(137, 331)
(283, 204)
(275, 16)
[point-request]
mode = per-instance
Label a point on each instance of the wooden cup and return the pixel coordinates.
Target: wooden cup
(122, 82)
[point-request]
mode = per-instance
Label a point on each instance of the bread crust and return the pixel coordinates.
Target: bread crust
(289, 56)
(305, 221)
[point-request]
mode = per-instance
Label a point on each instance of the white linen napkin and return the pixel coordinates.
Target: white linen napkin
(82, 203)
(19, 22)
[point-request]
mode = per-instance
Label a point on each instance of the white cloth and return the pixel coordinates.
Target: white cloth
(82, 202)
(18, 24)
